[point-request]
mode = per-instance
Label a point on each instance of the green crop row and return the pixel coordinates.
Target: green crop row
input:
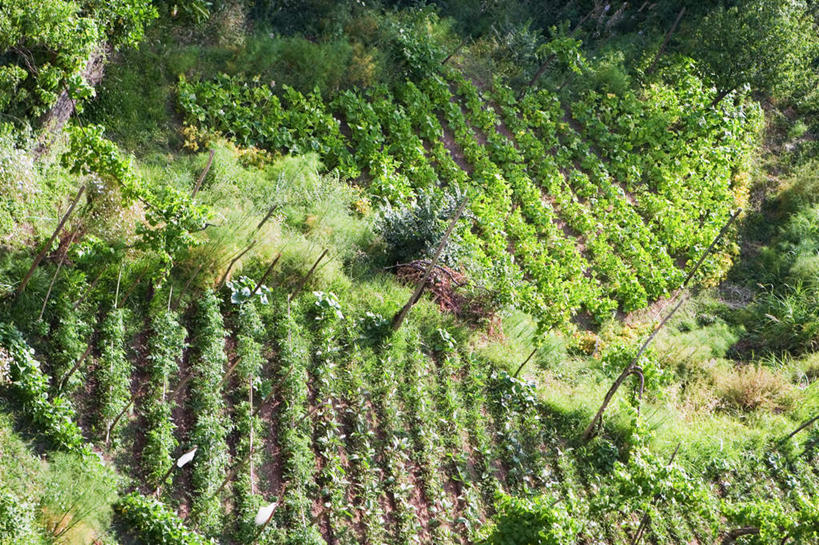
(210, 429)
(165, 347)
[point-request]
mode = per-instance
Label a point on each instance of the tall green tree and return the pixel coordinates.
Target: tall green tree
(767, 44)
(45, 46)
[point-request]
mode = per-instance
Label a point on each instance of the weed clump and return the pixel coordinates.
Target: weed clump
(752, 388)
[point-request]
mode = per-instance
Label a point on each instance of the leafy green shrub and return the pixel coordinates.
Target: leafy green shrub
(16, 521)
(541, 520)
(54, 417)
(165, 347)
(765, 43)
(774, 522)
(414, 231)
(45, 45)
(210, 429)
(113, 370)
(152, 523)
(644, 480)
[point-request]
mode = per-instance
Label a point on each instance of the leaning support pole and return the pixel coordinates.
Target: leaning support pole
(233, 262)
(116, 421)
(265, 275)
(202, 176)
(133, 286)
(531, 355)
(732, 535)
(665, 41)
(90, 287)
(419, 288)
(54, 278)
(800, 428)
(632, 367)
(77, 365)
(178, 298)
(454, 52)
(272, 508)
(45, 249)
(304, 280)
(273, 392)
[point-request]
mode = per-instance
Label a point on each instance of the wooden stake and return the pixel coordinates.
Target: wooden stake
(54, 278)
(233, 262)
(714, 242)
(273, 392)
(202, 176)
(188, 284)
(76, 365)
(419, 288)
(455, 52)
(181, 385)
(732, 536)
(632, 368)
(228, 373)
(265, 275)
(525, 362)
(133, 286)
(267, 216)
(116, 292)
(116, 420)
(88, 290)
(306, 277)
(665, 41)
(800, 428)
(45, 249)
(263, 526)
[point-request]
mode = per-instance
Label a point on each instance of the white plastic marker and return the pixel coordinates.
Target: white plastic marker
(265, 512)
(187, 457)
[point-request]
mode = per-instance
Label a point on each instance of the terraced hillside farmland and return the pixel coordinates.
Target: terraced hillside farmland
(594, 206)
(451, 272)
